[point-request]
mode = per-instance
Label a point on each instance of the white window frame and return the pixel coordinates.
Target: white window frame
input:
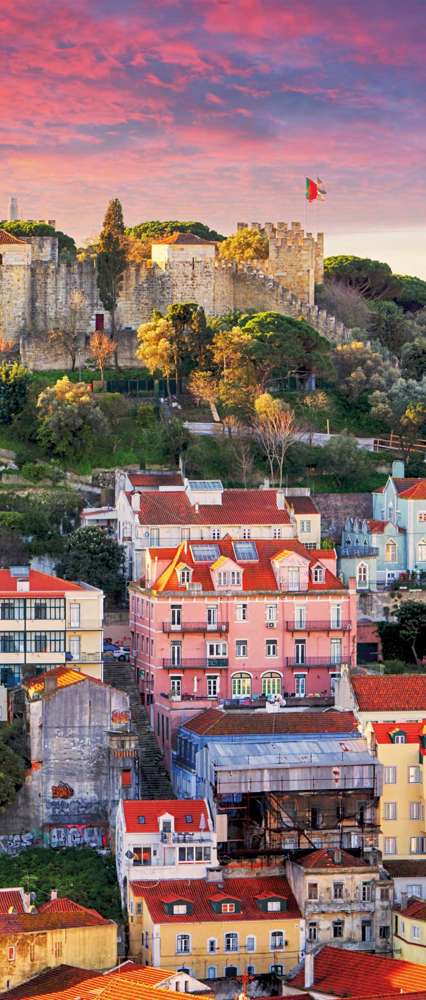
(243, 680)
(416, 932)
(415, 889)
(414, 774)
(277, 947)
(241, 612)
(418, 842)
(389, 846)
(235, 937)
(75, 615)
(211, 942)
(271, 614)
(305, 526)
(362, 574)
(241, 644)
(318, 574)
(390, 774)
(390, 811)
(421, 550)
(251, 938)
(272, 683)
(271, 649)
(300, 685)
(213, 685)
(183, 951)
(391, 544)
(416, 810)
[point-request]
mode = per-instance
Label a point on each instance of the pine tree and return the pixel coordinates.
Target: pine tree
(111, 261)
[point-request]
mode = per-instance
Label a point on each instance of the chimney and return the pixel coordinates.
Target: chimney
(404, 900)
(280, 499)
(398, 469)
(136, 501)
(27, 902)
(337, 856)
(309, 970)
(53, 894)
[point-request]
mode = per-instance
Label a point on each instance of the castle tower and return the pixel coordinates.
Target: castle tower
(296, 258)
(13, 209)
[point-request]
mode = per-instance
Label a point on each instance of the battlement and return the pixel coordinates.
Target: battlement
(295, 258)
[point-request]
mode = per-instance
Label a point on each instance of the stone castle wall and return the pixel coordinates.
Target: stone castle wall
(296, 258)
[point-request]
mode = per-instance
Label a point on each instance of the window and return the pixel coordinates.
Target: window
(312, 932)
(366, 892)
(211, 972)
(278, 970)
(11, 953)
(336, 651)
(390, 551)
(216, 533)
(312, 890)
(176, 653)
(75, 615)
(293, 578)
(191, 853)
(414, 774)
(12, 642)
(305, 527)
(228, 908)
(389, 810)
(318, 574)
(389, 845)
(241, 686)
(246, 533)
(271, 685)
(12, 610)
(389, 775)
(338, 890)
(277, 940)
(185, 576)
(141, 855)
(415, 890)
(300, 685)
(300, 617)
(338, 928)
(180, 908)
(274, 906)
(212, 616)
(212, 686)
(241, 615)
(231, 941)
(416, 810)
(50, 609)
(384, 894)
(176, 616)
(183, 944)
(217, 651)
(399, 738)
(46, 642)
(384, 932)
(231, 971)
(250, 943)
(422, 516)
(271, 647)
(176, 687)
(417, 845)
(336, 616)
(366, 930)
(271, 614)
(421, 551)
(241, 648)
(226, 578)
(416, 932)
(211, 946)
(362, 575)
(276, 532)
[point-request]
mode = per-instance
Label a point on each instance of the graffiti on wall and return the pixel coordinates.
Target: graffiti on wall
(15, 842)
(62, 791)
(77, 835)
(75, 808)
(120, 718)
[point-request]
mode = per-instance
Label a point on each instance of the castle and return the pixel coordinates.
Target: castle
(36, 286)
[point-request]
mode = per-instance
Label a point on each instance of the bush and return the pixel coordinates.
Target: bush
(147, 415)
(14, 381)
(79, 873)
(399, 667)
(11, 519)
(37, 471)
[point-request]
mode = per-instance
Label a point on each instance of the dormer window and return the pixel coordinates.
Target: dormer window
(228, 908)
(185, 576)
(271, 904)
(318, 574)
(221, 903)
(177, 906)
(188, 818)
(229, 578)
(399, 736)
(141, 820)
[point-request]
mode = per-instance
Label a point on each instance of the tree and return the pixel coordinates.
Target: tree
(156, 348)
(26, 227)
(361, 369)
(275, 430)
(413, 359)
(242, 447)
(14, 383)
(245, 245)
(344, 302)
(176, 439)
(67, 334)
(402, 407)
(13, 550)
(91, 555)
(155, 230)
(372, 278)
(411, 618)
(101, 348)
(111, 261)
(69, 418)
(12, 773)
(203, 386)
(344, 460)
(410, 292)
(388, 324)
(78, 873)
(279, 345)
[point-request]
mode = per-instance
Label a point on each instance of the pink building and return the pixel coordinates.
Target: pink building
(243, 619)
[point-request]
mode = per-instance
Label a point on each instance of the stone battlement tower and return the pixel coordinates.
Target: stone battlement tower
(296, 258)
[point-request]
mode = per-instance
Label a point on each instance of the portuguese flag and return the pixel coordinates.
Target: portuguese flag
(314, 190)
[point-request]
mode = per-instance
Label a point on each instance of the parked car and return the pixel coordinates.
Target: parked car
(110, 648)
(121, 653)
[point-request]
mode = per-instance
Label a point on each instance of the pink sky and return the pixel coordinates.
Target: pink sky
(216, 110)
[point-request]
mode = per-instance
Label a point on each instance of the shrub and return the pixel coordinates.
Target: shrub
(14, 380)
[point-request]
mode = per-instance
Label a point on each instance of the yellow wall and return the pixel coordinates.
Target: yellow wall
(401, 756)
(86, 947)
(405, 946)
(161, 950)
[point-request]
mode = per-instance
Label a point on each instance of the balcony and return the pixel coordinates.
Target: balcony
(197, 663)
(200, 700)
(357, 551)
(84, 657)
(168, 627)
(318, 626)
(318, 661)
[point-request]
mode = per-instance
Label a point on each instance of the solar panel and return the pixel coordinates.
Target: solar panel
(205, 484)
(245, 551)
(205, 553)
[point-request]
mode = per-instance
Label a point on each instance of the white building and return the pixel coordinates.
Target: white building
(163, 839)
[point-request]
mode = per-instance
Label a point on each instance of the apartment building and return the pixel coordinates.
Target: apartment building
(400, 748)
(47, 622)
(213, 929)
(409, 931)
(374, 698)
(240, 620)
(163, 839)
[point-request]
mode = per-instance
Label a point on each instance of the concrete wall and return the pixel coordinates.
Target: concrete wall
(85, 947)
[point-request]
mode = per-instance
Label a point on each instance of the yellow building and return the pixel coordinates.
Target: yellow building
(46, 622)
(409, 932)
(60, 933)
(399, 748)
(214, 929)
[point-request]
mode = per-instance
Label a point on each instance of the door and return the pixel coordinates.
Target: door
(176, 613)
(300, 685)
(336, 616)
(294, 578)
(300, 617)
(176, 653)
(300, 648)
(366, 931)
(336, 650)
(212, 617)
(176, 687)
(75, 647)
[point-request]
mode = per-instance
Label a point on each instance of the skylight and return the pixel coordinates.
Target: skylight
(205, 484)
(245, 551)
(205, 553)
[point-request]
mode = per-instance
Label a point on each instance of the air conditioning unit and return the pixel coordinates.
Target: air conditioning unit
(270, 624)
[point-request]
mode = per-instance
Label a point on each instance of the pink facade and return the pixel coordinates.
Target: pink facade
(276, 625)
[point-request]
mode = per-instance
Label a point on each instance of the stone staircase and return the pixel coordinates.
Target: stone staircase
(154, 778)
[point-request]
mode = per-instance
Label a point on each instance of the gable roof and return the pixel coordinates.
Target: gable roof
(213, 722)
(405, 486)
(26, 923)
(153, 480)
(201, 892)
(413, 730)
(302, 505)
(51, 983)
(6, 237)
(65, 905)
(329, 858)
(40, 584)
(12, 899)
(346, 973)
(64, 677)
(417, 491)
(187, 239)
(152, 810)
(237, 507)
(386, 693)
(128, 981)
(415, 908)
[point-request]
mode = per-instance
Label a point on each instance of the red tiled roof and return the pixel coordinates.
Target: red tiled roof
(377, 527)
(184, 238)
(51, 983)
(6, 237)
(155, 479)
(213, 722)
(39, 583)
(65, 676)
(412, 730)
(302, 505)
(11, 898)
(405, 485)
(257, 575)
(390, 693)
(326, 858)
(64, 905)
(415, 492)
(238, 507)
(153, 809)
(201, 892)
(406, 867)
(415, 908)
(346, 973)
(26, 923)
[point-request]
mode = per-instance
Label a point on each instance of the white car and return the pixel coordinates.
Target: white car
(121, 653)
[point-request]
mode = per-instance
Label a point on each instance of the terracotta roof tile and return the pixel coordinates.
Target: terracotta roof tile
(201, 892)
(302, 505)
(39, 583)
(64, 905)
(12, 898)
(406, 486)
(406, 867)
(26, 923)
(388, 693)
(237, 507)
(152, 810)
(64, 676)
(184, 238)
(49, 982)
(213, 722)
(155, 479)
(326, 858)
(346, 973)
(6, 237)
(415, 908)
(413, 730)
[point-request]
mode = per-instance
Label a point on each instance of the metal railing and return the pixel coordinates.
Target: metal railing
(83, 657)
(318, 626)
(196, 663)
(317, 661)
(195, 627)
(357, 550)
